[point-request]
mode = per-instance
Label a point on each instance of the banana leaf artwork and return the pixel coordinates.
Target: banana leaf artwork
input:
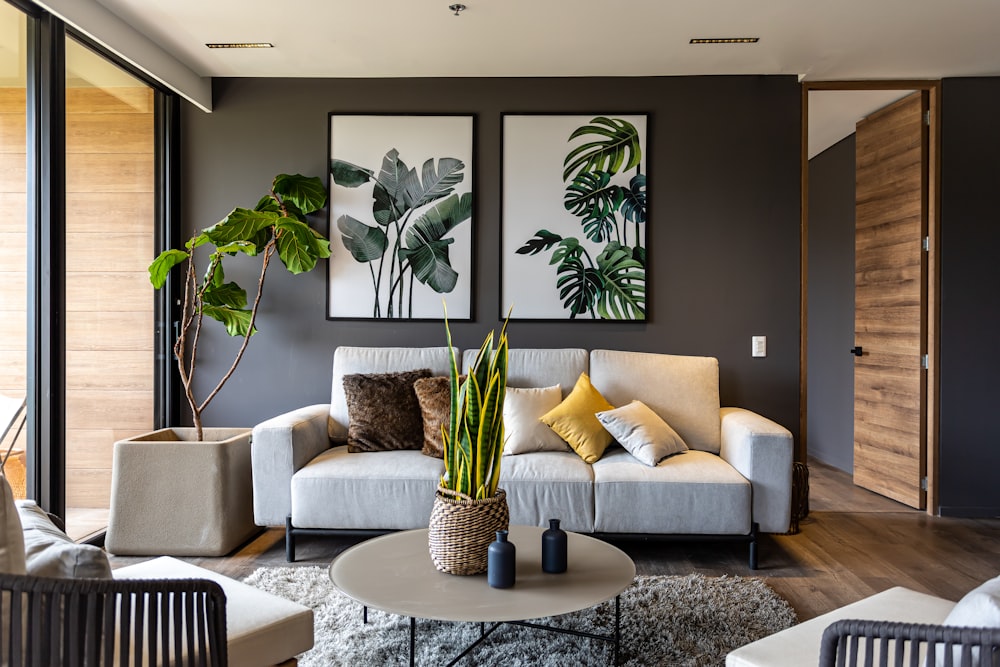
(401, 222)
(574, 216)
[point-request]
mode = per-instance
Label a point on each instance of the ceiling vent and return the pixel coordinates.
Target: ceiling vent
(240, 45)
(725, 40)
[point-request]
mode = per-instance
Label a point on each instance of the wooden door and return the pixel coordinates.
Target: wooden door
(890, 301)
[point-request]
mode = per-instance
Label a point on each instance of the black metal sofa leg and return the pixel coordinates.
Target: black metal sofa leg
(289, 540)
(754, 533)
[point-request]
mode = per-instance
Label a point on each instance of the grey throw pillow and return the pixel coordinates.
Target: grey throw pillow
(642, 432)
(49, 552)
(383, 411)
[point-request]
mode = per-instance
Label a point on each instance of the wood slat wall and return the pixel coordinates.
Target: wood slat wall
(109, 243)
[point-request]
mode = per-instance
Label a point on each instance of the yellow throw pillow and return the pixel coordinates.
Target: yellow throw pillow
(575, 420)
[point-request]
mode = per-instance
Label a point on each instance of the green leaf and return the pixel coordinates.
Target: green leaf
(592, 197)
(306, 193)
(267, 203)
(385, 210)
(426, 248)
(298, 248)
(620, 138)
(392, 177)
(229, 295)
(568, 247)
(365, 243)
(623, 296)
(634, 199)
(579, 285)
(160, 267)
(433, 184)
(196, 241)
(241, 225)
(542, 240)
(246, 247)
(349, 175)
(237, 321)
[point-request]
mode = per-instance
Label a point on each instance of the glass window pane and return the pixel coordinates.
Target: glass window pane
(109, 301)
(13, 230)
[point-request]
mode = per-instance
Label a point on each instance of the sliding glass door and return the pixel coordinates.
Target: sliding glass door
(110, 231)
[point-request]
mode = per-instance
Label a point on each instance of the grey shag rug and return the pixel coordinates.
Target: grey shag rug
(690, 620)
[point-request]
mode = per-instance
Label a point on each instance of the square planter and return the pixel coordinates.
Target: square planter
(172, 495)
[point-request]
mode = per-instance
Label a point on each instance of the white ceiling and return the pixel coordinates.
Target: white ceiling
(815, 40)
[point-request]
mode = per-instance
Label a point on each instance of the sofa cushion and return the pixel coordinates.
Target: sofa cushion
(576, 422)
(527, 367)
(549, 485)
(367, 490)
(642, 433)
(262, 629)
(12, 542)
(384, 411)
(979, 608)
(683, 391)
(349, 359)
(697, 493)
(524, 430)
(434, 397)
(49, 552)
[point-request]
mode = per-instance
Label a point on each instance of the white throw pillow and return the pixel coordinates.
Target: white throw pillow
(979, 608)
(642, 432)
(523, 429)
(12, 542)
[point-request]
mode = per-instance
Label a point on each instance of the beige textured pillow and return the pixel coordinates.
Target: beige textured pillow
(434, 396)
(641, 431)
(384, 411)
(524, 430)
(11, 537)
(575, 420)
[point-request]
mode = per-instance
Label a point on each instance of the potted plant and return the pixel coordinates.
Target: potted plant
(469, 508)
(203, 504)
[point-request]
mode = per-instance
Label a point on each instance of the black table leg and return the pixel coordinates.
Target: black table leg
(413, 632)
(618, 625)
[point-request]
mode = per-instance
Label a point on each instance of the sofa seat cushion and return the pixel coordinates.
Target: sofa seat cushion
(683, 391)
(800, 644)
(262, 629)
(549, 485)
(365, 490)
(694, 493)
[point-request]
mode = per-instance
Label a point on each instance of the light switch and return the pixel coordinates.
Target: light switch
(758, 346)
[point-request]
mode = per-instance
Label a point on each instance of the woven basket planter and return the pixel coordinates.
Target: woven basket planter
(461, 530)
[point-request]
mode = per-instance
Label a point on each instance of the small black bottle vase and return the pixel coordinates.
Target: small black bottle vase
(554, 548)
(500, 562)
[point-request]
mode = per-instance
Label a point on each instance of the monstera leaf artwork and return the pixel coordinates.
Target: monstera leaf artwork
(599, 271)
(405, 235)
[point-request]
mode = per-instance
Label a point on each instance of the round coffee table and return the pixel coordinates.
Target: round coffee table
(394, 573)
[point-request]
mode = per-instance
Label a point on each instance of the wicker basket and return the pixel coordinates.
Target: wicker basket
(14, 471)
(461, 530)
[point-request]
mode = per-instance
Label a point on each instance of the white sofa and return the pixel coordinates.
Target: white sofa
(735, 479)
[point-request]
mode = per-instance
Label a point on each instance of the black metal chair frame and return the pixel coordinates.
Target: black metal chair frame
(887, 643)
(105, 622)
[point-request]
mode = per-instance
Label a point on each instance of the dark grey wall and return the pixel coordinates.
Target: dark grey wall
(723, 235)
(831, 305)
(970, 309)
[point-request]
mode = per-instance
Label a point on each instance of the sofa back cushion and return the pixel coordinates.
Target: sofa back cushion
(348, 360)
(530, 368)
(683, 391)
(11, 537)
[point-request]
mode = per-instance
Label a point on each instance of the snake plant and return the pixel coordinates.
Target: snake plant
(473, 442)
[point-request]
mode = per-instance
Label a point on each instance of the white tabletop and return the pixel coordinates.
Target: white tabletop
(395, 573)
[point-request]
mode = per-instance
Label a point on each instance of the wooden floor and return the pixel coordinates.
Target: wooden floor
(852, 544)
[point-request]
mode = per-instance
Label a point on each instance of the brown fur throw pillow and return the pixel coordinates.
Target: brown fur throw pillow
(434, 396)
(383, 411)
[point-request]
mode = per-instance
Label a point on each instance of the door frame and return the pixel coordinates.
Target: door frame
(931, 313)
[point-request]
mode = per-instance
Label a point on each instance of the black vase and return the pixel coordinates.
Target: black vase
(500, 562)
(554, 548)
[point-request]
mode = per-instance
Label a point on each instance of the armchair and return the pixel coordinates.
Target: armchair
(104, 622)
(856, 642)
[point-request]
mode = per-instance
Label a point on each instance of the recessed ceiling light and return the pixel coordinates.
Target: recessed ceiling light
(725, 40)
(240, 45)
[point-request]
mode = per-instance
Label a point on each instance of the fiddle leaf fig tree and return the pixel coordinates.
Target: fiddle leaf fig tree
(277, 224)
